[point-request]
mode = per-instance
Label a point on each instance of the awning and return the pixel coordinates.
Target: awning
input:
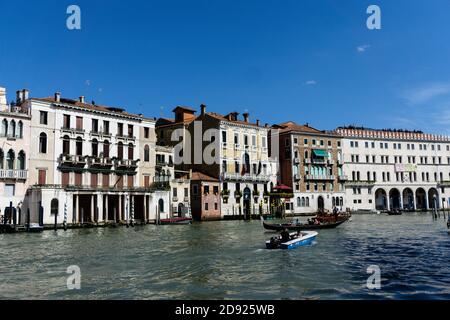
(321, 153)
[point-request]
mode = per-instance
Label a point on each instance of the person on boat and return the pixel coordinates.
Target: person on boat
(448, 222)
(310, 222)
(285, 236)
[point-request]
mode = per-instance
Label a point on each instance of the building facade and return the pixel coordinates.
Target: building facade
(91, 164)
(205, 197)
(240, 162)
(389, 169)
(14, 152)
(311, 164)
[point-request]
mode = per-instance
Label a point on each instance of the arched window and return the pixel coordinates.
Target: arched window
(10, 160)
(54, 206)
(307, 201)
(66, 145)
(21, 160)
(120, 150)
(130, 151)
(4, 127)
(94, 148)
(303, 202)
(79, 147)
(246, 163)
(146, 153)
(341, 202)
(299, 202)
(161, 205)
(42, 143)
(19, 133)
(333, 202)
(106, 149)
(12, 129)
(2, 158)
(306, 154)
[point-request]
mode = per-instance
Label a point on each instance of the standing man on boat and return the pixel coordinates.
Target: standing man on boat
(285, 236)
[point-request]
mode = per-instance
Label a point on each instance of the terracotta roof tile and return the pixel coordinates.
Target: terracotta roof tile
(198, 176)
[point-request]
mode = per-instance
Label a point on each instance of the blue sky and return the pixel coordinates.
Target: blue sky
(304, 60)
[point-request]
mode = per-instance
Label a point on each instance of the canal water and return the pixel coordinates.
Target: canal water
(227, 260)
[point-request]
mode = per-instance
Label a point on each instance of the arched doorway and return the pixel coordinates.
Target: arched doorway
(394, 199)
(247, 199)
(380, 199)
(320, 204)
(408, 199)
(181, 212)
(433, 198)
(421, 199)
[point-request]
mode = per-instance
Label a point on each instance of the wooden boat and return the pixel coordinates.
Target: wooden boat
(297, 240)
(394, 212)
(35, 228)
(302, 226)
(175, 221)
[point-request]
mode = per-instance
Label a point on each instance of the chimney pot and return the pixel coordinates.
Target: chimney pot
(19, 96)
(246, 115)
(25, 94)
(203, 109)
(58, 96)
(257, 122)
(81, 99)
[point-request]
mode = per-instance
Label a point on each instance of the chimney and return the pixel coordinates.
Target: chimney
(25, 94)
(257, 122)
(246, 115)
(266, 125)
(19, 97)
(3, 100)
(81, 99)
(58, 96)
(203, 109)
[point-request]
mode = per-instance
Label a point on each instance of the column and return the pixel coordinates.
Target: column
(400, 200)
(92, 207)
(426, 201)
(120, 209)
(106, 208)
(145, 209)
(388, 202)
(100, 207)
(77, 198)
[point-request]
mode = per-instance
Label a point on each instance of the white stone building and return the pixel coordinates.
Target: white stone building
(91, 164)
(390, 169)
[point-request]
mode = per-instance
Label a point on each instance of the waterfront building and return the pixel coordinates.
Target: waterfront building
(14, 151)
(242, 163)
(395, 169)
(91, 164)
(311, 164)
(205, 197)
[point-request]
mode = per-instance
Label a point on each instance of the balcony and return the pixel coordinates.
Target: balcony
(319, 161)
(246, 177)
(174, 199)
(73, 130)
(122, 164)
(72, 160)
(13, 174)
(443, 184)
(361, 183)
(319, 177)
(99, 162)
(125, 137)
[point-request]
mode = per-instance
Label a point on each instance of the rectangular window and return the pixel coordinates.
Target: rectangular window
(174, 192)
(66, 121)
(206, 206)
(146, 133)
(65, 179)
(79, 123)
(146, 181)
(120, 129)
(78, 179)
(42, 177)
(130, 131)
(10, 190)
(95, 125)
(43, 117)
(130, 183)
(105, 180)
(105, 127)
(206, 190)
(224, 137)
(94, 180)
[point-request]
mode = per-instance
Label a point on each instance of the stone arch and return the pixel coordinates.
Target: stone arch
(381, 199)
(433, 198)
(421, 199)
(408, 199)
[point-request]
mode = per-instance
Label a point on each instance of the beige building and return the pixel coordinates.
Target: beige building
(14, 152)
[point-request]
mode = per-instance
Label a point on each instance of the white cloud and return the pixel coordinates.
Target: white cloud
(426, 93)
(311, 83)
(363, 48)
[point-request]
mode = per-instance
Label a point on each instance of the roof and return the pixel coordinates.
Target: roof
(291, 126)
(224, 118)
(184, 108)
(91, 107)
(198, 176)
